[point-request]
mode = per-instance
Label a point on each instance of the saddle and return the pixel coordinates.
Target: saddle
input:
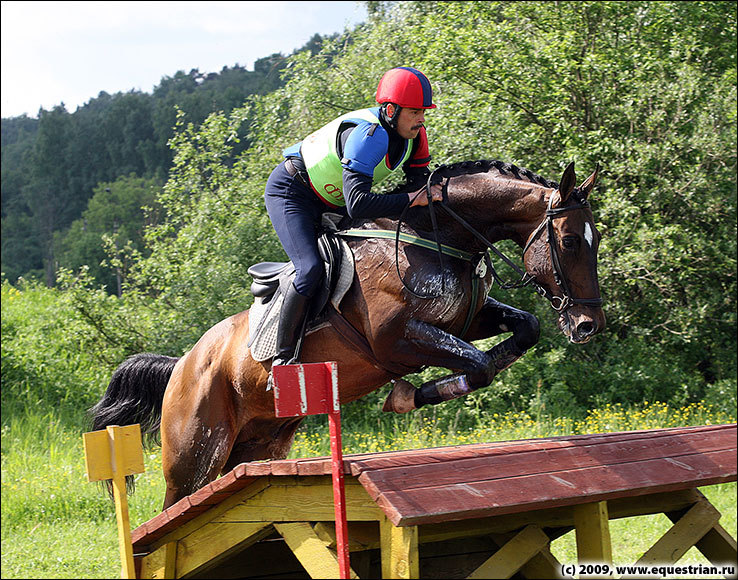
(271, 280)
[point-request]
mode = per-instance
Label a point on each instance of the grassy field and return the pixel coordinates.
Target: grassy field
(56, 525)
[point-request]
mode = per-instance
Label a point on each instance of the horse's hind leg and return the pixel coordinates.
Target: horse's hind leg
(197, 433)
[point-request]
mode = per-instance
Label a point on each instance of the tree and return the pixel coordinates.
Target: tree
(118, 213)
(48, 195)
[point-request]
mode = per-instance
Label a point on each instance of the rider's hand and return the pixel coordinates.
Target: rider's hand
(420, 198)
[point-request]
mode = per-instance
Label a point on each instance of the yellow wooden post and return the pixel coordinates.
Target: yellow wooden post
(399, 550)
(591, 521)
(113, 454)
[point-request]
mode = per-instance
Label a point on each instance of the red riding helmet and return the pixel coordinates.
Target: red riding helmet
(406, 87)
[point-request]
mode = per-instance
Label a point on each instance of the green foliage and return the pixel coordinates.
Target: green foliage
(115, 214)
(646, 89)
(44, 364)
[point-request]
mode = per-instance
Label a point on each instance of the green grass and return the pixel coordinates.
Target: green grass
(57, 525)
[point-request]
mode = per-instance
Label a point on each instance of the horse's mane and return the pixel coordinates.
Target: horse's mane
(484, 165)
(466, 168)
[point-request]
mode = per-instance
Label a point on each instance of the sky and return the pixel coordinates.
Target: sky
(67, 52)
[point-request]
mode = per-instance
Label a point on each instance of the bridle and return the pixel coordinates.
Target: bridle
(558, 303)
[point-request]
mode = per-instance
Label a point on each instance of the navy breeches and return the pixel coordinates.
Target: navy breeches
(296, 212)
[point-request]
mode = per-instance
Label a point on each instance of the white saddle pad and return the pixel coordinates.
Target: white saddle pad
(264, 345)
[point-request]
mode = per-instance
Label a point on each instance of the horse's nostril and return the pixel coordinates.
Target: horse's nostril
(586, 328)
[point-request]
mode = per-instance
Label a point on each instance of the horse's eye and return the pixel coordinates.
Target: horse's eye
(570, 242)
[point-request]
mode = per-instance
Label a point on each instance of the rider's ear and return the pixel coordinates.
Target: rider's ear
(568, 181)
(589, 183)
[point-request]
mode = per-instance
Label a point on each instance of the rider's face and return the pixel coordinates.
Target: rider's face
(409, 122)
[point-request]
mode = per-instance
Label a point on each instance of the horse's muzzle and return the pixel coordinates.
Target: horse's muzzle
(581, 324)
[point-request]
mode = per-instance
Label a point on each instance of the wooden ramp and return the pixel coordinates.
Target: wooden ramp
(473, 511)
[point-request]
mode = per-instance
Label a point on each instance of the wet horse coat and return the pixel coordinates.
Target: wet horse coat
(216, 411)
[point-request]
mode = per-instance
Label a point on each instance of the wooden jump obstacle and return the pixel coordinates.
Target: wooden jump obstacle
(472, 511)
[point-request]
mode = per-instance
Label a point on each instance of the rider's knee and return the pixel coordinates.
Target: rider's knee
(527, 332)
(308, 279)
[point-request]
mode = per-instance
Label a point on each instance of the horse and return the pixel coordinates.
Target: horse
(407, 308)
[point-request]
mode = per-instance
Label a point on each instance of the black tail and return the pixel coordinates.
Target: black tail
(135, 393)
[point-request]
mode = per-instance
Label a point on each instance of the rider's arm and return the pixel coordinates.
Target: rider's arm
(363, 149)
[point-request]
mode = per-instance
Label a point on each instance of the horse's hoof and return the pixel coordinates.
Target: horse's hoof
(401, 399)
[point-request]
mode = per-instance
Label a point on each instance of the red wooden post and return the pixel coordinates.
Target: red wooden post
(312, 389)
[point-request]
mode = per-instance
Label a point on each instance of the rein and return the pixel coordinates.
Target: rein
(558, 303)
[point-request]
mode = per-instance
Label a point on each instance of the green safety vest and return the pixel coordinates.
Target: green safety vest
(323, 165)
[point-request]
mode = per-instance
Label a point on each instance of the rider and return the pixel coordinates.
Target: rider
(334, 170)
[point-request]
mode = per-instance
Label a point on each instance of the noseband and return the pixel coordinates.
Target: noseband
(558, 303)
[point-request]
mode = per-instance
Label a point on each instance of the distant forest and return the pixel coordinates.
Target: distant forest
(69, 179)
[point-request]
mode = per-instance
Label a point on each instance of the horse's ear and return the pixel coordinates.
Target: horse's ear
(568, 182)
(589, 183)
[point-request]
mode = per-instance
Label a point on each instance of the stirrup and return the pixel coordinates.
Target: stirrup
(270, 379)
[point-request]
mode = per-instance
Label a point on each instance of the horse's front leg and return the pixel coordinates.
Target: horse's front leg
(476, 369)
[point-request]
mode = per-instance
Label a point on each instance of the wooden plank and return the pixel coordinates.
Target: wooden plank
(497, 497)
(684, 534)
(717, 545)
(591, 522)
(559, 517)
(506, 465)
(160, 563)
(692, 470)
(513, 555)
(543, 565)
(211, 514)
(362, 535)
(99, 457)
(213, 543)
(389, 460)
(281, 503)
(399, 548)
(124, 440)
(309, 549)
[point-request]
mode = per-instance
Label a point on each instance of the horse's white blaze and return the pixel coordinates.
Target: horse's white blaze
(588, 234)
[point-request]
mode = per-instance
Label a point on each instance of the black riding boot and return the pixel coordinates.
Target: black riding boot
(291, 322)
